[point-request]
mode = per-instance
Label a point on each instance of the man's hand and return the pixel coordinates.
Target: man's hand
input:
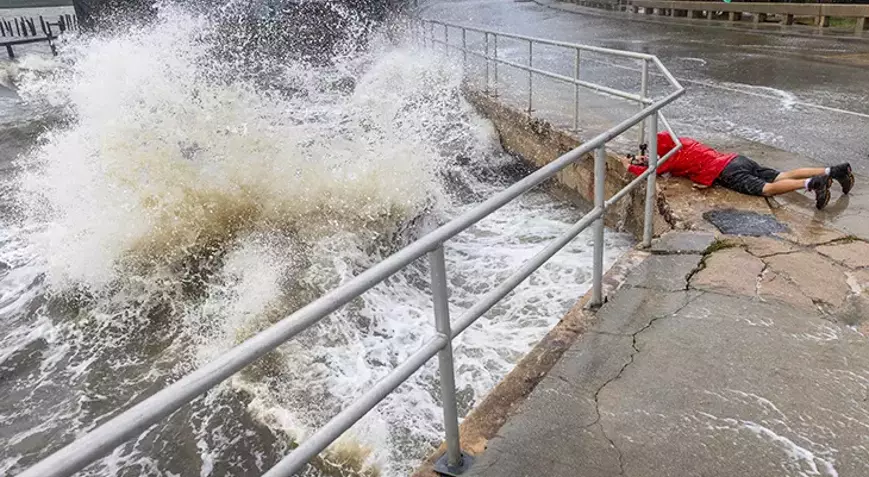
(626, 161)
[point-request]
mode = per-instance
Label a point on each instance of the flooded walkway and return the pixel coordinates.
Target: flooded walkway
(709, 361)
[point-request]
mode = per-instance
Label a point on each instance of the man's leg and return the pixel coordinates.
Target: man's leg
(783, 186)
(748, 177)
(803, 173)
(841, 172)
(819, 184)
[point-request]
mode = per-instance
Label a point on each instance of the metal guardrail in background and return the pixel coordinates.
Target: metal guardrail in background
(760, 11)
(490, 54)
(25, 26)
(22, 31)
(103, 439)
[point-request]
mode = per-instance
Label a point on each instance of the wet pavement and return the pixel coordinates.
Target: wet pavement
(732, 362)
(742, 87)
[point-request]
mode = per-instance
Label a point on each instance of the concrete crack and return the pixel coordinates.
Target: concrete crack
(836, 241)
(776, 254)
(760, 278)
(635, 351)
(700, 266)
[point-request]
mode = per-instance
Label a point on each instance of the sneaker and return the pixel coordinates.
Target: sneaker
(820, 185)
(844, 175)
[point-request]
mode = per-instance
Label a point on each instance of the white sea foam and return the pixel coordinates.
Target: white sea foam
(181, 207)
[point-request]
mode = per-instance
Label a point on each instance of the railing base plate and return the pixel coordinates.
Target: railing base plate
(442, 468)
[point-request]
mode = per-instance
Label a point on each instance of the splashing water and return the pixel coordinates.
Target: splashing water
(180, 206)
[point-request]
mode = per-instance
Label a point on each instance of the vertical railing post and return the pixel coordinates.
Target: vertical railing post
(464, 48)
(446, 40)
(421, 33)
(651, 195)
(454, 458)
(495, 64)
(432, 35)
(599, 202)
(644, 91)
(486, 59)
(530, 76)
(576, 93)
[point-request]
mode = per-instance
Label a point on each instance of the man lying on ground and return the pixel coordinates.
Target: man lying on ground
(706, 166)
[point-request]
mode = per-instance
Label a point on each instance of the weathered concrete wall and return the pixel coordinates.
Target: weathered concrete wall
(539, 143)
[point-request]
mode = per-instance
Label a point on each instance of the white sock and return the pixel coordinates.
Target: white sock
(827, 171)
(807, 184)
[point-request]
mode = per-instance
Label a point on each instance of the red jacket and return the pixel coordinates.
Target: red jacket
(695, 160)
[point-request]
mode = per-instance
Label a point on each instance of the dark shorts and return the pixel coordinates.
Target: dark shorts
(746, 176)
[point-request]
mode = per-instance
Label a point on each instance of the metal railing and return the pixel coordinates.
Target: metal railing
(24, 31)
(427, 31)
(102, 440)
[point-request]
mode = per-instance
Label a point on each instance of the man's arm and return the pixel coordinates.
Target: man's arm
(633, 168)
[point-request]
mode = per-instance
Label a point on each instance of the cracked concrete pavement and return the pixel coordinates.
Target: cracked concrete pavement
(719, 356)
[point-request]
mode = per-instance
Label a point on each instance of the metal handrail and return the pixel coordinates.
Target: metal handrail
(645, 59)
(103, 439)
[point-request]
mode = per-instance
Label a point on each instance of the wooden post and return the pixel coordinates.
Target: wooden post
(789, 19)
(861, 25)
(9, 51)
(823, 21)
(759, 17)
